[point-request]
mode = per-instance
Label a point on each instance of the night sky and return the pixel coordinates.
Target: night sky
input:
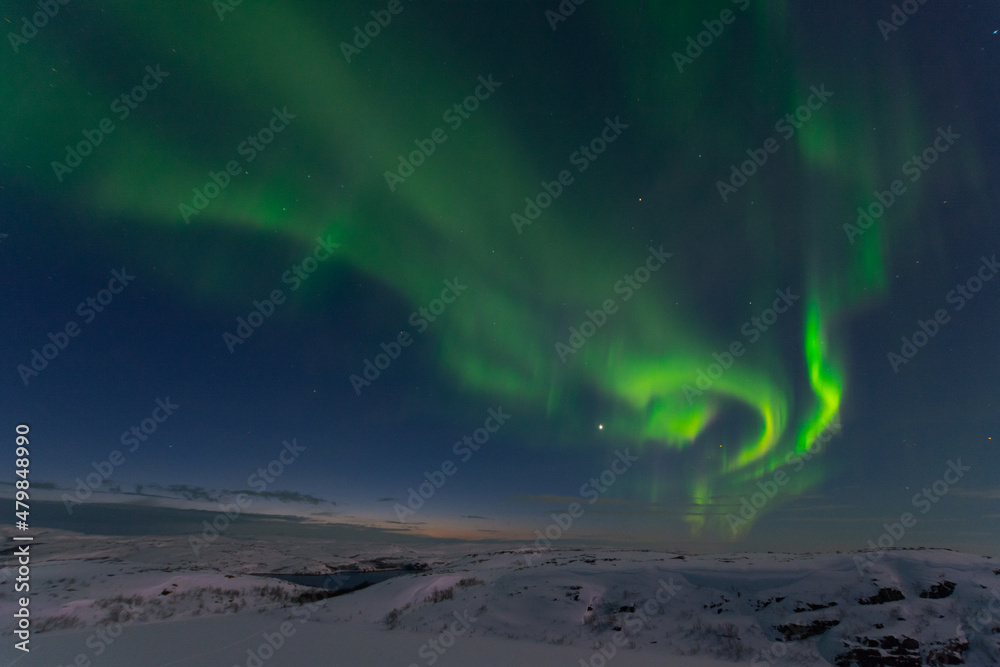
(657, 259)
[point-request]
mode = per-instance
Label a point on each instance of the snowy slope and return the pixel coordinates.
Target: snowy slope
(103, 598)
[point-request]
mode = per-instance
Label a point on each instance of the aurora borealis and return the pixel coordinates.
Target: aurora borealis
(636, 227)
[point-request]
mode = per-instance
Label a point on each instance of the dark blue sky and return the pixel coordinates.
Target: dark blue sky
(652, 181)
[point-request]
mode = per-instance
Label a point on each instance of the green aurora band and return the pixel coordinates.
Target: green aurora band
(324, 175)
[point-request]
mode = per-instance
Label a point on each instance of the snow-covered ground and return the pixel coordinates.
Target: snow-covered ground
(151, 601)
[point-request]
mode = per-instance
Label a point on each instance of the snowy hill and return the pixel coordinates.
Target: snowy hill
(103, 599)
